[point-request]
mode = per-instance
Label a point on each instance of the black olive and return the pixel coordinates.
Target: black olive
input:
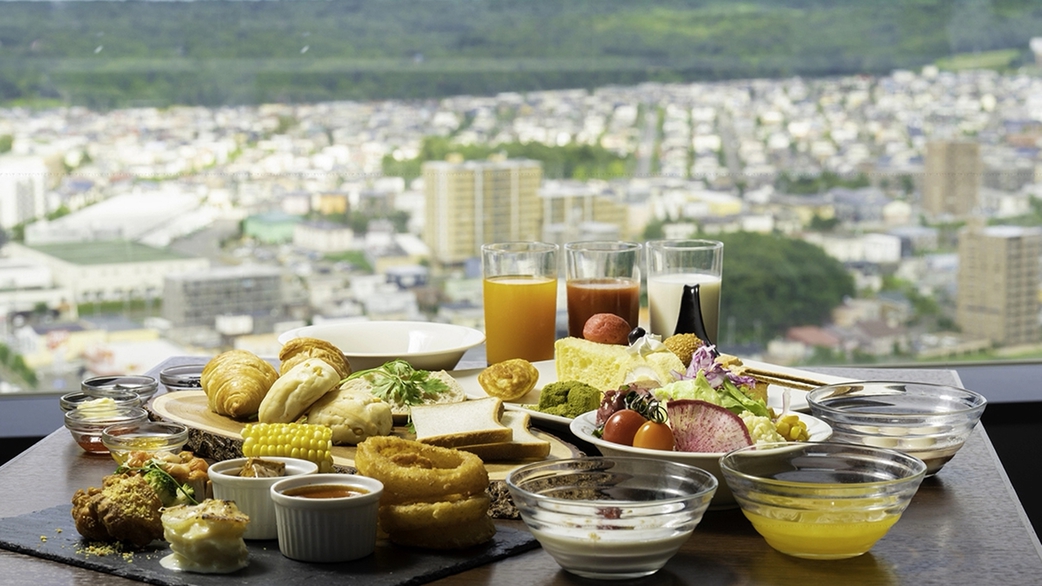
(636, 334)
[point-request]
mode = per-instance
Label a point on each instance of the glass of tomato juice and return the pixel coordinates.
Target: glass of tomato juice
(602, 277)
(520, 298)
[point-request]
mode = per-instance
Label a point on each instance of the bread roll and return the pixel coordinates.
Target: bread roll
(292, 394)
(298, 350)
(352, 415)
(235, 383)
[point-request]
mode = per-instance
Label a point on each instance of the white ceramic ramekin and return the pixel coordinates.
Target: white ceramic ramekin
(253, 495)
(327, 529)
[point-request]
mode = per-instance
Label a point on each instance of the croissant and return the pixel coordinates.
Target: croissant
(236, 382)
(298, 350)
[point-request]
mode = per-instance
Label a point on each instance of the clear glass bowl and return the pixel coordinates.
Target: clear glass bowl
(611, 518)
(86, 425)
(152, 437)
(928, 421)
(103, 386)
(822, 500)
(70, 401)
(184, 377)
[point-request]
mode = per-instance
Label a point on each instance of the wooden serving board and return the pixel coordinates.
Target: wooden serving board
(190, 408)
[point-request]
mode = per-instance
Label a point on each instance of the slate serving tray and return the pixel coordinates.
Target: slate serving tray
(51, 534)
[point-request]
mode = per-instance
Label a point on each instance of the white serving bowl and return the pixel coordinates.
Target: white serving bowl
(583, 426)
(368, 344)
(253, 495)
(611, 518)
(326, 529)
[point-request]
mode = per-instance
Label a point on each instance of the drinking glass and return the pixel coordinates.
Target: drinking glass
(520, 296)
(602, 277)
(672, 264)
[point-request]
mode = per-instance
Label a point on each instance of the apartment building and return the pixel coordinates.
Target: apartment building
(998, 283)
(247, 298)
(470, 203)
(951, 184)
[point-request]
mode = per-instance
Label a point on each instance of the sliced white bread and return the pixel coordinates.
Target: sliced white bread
(524, 446)
(452, 425)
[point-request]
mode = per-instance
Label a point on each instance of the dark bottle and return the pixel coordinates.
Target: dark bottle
(689, 320)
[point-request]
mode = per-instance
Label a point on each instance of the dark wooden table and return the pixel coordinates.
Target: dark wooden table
(964, 526)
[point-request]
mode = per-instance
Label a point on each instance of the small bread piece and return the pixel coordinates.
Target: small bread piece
(236, 382)
(510, 379)
(524, 446)
(295, 391)
(298, 350)
(461, 424)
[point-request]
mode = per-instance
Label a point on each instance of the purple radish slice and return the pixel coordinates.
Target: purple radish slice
(699, 426)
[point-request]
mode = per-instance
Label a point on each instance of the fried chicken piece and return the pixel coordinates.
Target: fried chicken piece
(124, 509)
(185, 467)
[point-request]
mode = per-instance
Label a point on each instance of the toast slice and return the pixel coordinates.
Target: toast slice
(524, 446)
(451, 425)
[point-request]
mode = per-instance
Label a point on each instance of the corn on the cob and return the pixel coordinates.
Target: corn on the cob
(289, 440)
(792, 429)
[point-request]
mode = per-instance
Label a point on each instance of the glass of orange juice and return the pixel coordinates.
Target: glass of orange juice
(520, 296)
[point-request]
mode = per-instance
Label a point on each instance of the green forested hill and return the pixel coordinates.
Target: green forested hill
(105, 54)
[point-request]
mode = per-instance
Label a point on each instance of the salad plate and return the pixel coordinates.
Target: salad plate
(780, 377)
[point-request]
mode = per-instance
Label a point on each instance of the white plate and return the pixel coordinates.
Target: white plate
(548, 374)
(584, 425)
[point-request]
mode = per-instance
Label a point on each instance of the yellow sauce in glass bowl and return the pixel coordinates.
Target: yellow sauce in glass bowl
(821, 534)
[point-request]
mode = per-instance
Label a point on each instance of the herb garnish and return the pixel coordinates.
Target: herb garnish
(398, 383)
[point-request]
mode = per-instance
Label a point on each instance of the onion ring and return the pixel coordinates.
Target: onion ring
(416, 516)
(411, 471)
(459, 536)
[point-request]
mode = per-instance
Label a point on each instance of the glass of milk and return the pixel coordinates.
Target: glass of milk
(672, 264)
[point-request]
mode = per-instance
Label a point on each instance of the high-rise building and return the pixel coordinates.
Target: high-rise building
(476, 202)
(998, 283)
(952, 178)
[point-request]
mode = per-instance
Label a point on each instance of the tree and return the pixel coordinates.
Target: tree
(772, 283)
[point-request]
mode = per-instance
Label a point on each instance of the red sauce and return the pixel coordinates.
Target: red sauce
(92, 443)
(325, 491)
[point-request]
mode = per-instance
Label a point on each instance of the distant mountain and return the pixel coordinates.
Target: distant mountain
(212, 52)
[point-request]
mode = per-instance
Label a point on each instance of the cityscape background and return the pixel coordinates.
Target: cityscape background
(137, 233)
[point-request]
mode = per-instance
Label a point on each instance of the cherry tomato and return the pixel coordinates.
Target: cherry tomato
(621, 426)
(654, 436)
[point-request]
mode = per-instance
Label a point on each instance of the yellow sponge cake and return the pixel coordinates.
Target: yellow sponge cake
(609, 366)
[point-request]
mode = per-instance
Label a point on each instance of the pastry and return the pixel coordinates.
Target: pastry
(235, 383)
(298, 350)
(510, 379)
(352, 415)
(294, 392)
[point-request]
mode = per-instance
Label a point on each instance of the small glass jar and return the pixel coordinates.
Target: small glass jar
(71, 401)
(86, 425)
(184, 377)
(104, 386)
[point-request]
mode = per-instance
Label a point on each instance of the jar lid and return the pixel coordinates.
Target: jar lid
(184, 376)
(104, 386)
